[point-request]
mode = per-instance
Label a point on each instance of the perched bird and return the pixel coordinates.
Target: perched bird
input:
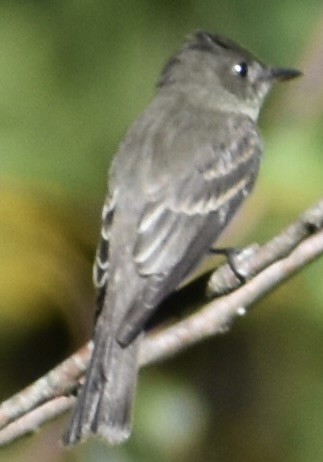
(182, 171)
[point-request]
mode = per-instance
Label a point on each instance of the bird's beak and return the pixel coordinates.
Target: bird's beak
(281, 74)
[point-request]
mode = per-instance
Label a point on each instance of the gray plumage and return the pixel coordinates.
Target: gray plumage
(184, 168)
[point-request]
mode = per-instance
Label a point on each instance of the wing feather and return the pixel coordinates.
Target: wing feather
(170, 222)
(101, 267)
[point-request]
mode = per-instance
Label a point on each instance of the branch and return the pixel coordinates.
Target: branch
(264, 268)
(254, 259)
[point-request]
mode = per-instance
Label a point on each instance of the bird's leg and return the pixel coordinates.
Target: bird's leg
(231, 253)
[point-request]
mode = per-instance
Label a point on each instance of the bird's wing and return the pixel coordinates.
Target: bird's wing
(101, 264)
(182, 221)
(215, 176)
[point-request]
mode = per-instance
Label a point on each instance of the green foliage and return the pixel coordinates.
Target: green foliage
(73, 75)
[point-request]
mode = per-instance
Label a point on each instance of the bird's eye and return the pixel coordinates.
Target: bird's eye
(241, 69)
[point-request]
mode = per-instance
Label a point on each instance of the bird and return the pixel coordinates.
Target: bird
(183, 169)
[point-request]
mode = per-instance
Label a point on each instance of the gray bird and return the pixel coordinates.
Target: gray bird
(182, 171)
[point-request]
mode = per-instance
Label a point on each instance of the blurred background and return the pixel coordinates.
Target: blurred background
(73, 75)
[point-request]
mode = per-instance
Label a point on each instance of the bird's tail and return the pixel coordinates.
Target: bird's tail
(104, 406)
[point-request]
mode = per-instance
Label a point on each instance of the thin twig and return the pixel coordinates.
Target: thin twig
(250, 262)
(30, 422)
(59, 381)
(217, 316)
(299, 244)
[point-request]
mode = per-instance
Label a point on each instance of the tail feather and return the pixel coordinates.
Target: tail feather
(104, 406)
